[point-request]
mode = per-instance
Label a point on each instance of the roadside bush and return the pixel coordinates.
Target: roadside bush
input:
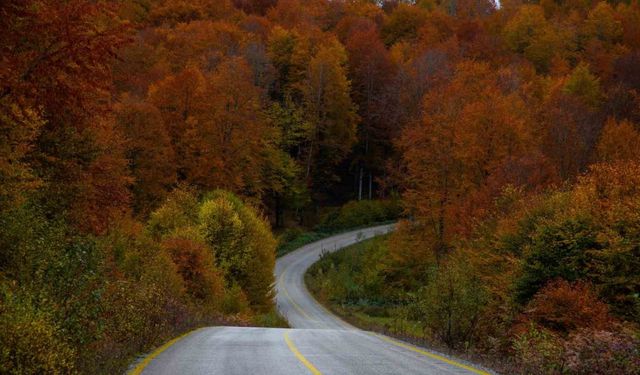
(290, 242)
(243, 245)
(290, 234)
(72, 303)
(235, 301)
(538, 351)
(452, 303)
(595, 352)
(565, 307)
(142, 302)
(178, 211)
(352, 276)
(559, 250)
(30, 341)
(196, 265)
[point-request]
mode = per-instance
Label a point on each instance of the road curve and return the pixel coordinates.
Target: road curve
(318, 342)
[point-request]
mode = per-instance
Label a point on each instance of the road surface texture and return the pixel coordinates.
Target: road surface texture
(318, 342)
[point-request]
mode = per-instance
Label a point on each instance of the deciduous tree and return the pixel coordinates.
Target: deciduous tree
(330, 112)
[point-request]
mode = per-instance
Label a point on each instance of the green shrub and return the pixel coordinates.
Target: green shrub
(178, 211)
(352, 276)
(303, 239)
(539, 351)
(558, 250)
(452, 302)
(270, 319)
(360, 213)
(243, 244)
(235, 301)
(72, 303)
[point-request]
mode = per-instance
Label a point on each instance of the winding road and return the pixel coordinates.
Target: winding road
(318, 342)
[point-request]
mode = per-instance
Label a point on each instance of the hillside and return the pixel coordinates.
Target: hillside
(154, 154)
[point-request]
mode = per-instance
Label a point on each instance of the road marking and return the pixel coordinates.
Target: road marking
(430, 355)
(300, 357)
(145, 362)
(286, 293)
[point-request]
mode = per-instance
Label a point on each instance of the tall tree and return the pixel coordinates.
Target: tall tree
(148, 151)
(330, 112)
(470, 131)
(372, 71)
(56, 67)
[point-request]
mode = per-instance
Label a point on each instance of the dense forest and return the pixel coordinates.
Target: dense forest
(148, 148)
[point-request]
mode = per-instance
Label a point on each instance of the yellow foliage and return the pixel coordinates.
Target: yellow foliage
(30, 342)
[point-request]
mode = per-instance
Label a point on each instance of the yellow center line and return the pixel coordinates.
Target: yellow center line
(286, 293)
(300, 357)
(430, 355)
(145, 362)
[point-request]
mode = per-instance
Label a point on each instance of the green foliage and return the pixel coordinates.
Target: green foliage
(528, 32)
(355, 281)
(524, 27)
(452, 303)
(352, 276)
(89, 304)
(558, 250)
(243, 244)
(539, 351)
(360, 213)
(584, 85)
(270, 319)
(293, 239)
(235, 301)
(179, 210)
(353, 215)
(603, 24)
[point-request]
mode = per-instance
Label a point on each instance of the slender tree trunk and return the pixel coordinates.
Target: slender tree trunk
(370, 185)
(360, 183)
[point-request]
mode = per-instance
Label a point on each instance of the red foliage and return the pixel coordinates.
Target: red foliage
(565, 307)
(58, 54)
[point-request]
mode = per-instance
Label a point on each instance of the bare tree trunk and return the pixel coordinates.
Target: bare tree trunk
(361, 172)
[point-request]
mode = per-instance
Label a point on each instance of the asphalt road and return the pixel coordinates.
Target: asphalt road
(318, 342)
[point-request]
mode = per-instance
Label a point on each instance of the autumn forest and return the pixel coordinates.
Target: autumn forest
(157, 155)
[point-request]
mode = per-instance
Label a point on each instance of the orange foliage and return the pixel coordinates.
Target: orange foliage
(103, 197)
(565, 307)
(149, 152)
(618, 141)
(470, 132)
(195, 264)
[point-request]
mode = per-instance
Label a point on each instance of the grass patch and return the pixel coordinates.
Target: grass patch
(272, 319)
(351, 282)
